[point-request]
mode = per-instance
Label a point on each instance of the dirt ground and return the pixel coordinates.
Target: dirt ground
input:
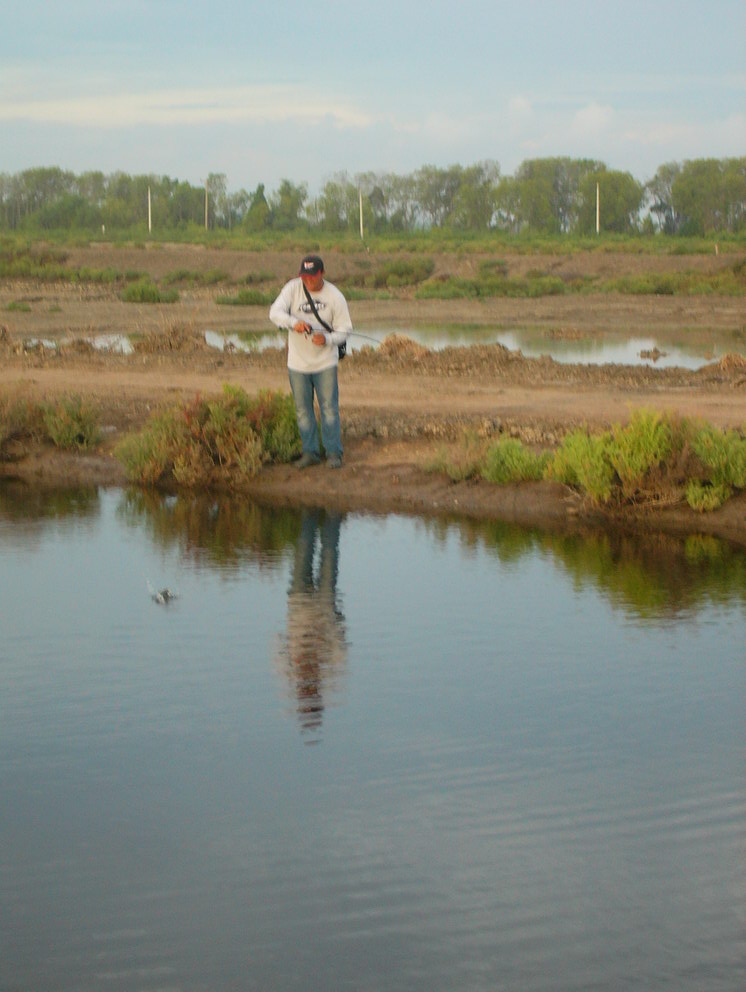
(401, 403)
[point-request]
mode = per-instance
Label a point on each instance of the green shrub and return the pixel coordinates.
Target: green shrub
(146, 291)
(465, 462)
(510, 461)
(18, 306)
(19, 418)
(638, 448)
(582, 460)
(221, 441)
(705, 498)
(148, 457)
(277, 426)
(723, 453)
(71, 423)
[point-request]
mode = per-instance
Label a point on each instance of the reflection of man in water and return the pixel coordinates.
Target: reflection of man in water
(314, 649)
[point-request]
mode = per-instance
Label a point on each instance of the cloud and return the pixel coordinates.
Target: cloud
(254, 104)
(728, 134)
(591, 119)
(520, 109)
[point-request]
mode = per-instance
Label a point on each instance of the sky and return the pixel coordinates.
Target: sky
(303, 91)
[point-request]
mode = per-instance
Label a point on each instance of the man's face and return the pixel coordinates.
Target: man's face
(313, 281)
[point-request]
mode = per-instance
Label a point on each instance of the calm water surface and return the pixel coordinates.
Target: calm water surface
(600, 350)
(364, 752)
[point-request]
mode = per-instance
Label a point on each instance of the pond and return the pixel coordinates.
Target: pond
(600, 350)
(364, 752)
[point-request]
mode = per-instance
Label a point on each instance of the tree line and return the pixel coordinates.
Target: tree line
(546, 196)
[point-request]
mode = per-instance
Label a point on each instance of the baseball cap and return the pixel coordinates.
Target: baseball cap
(311, 265)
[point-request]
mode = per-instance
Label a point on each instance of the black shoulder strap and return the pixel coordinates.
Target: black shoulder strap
(315, 311)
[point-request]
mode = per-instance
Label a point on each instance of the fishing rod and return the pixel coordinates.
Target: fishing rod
(367, 337)
(357, 334)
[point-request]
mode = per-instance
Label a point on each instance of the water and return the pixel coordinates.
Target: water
(583, 351)
(364, 752)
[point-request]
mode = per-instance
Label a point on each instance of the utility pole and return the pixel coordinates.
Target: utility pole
(206, 181)
(150, 215)
(598, 208)
(360, 196)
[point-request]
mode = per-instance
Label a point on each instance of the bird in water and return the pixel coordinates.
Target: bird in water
(162, 596)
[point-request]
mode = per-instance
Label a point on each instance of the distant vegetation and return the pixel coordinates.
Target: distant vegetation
(549, 196)
(411, 274)
(654, 460)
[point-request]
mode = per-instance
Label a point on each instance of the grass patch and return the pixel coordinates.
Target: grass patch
(146, 291)
(69, 423)
(492, 267)
(582, 462)
(255, 278)
(460, 463)
(704, 497)
(395, 273)
(192, 277)
(247, 298)
(18, 306)
(219, 442)
(48, 265)
(511, 461)
(456, 288)
(655, 459)
(723, 457)
(637, 450)
(20, 420)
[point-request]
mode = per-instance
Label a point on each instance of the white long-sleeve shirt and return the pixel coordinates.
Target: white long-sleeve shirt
(292, 306)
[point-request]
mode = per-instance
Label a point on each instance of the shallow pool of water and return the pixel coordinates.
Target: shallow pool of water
(583, 351)
(364, 752)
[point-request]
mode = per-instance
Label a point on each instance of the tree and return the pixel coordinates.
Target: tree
(337, 208)
(68, 211)
(476, 200)
(734, 182)
(216, 189)
(547, 193)
(287, 205)
(508, 205)
(707, 193)
(621, 200)
(660, 193)
(435, 191)
(257, 217)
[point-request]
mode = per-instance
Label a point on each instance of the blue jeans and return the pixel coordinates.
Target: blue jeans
(324, 385)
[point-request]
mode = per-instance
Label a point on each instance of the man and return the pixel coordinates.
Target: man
(313, 356)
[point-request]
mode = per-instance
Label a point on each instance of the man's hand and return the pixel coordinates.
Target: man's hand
(302, 328)
(319, 339)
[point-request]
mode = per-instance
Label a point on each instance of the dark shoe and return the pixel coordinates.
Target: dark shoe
(305, 461)
(334, 461)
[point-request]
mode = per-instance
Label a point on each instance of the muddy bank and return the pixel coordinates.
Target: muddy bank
(400, 403)
(383, 477)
